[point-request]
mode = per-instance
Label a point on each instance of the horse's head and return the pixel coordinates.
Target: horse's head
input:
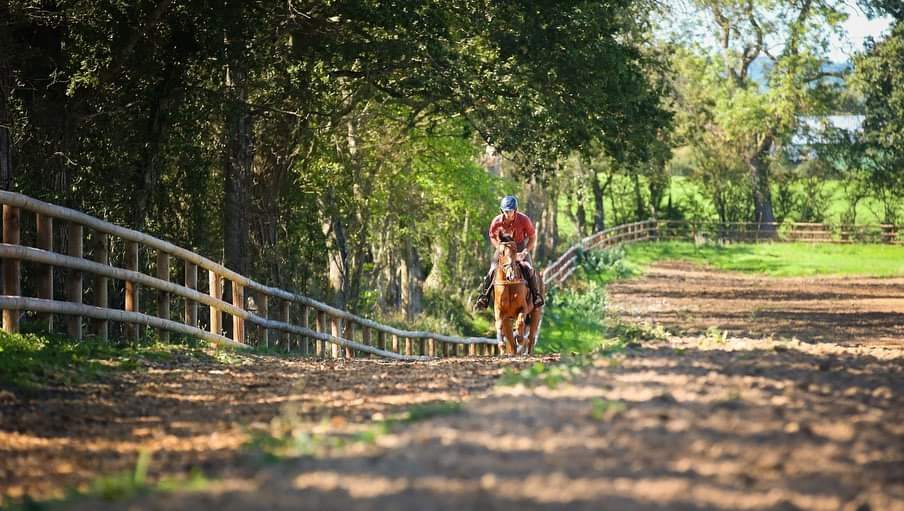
(506, 251)
(507, 259)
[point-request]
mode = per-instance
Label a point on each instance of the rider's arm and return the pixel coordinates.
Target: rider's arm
(532, 244)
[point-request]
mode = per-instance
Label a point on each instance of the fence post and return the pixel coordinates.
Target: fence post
(381, 340)
(319, 347)
(191, 282)
(349, 333)
(307, 343)
(45, 275)
(396, 346)
(163, 298)
(101, 254)
(238, 324)
(335, 332)
(284, 318)
(12, 268)
(263, 310)
(365, 338)
(216, 292)
(131, 291)
(74, 280)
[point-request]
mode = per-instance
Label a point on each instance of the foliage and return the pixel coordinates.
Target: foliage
(738, 102)
(326, 147)
(574, 319)
(876, 158)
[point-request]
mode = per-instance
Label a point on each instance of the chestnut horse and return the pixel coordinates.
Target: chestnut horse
(517, 320)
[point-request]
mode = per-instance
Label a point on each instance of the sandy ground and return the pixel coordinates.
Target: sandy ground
(767, 394)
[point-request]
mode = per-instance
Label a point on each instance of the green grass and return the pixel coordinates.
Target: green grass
(120, 486)
(33, 361)
(778, 259)
(574, 319)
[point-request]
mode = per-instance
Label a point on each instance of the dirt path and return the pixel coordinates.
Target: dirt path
(196, 414)
(691, 299)
(753, 420)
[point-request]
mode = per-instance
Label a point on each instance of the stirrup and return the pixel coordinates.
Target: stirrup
(482, 303)
(539, 301)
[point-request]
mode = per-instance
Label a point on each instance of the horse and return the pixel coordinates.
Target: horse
(517, 320)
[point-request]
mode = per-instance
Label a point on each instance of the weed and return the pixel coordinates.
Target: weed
(430, 410)
(288, 437)
(717, 336)
(604, 409)
(569, 366)
(125, 485)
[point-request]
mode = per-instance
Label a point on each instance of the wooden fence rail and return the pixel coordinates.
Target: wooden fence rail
(276, 316)
(335, 327)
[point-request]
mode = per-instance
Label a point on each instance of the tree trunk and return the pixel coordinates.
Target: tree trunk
(599, 212)
(238, 145)
(158, 124)
(338, 260)
(6, 145)
(639, 209)
(439, 267)
(548, 229)
(581, 213)
(762, 196)
(412, 277)
(6, 135)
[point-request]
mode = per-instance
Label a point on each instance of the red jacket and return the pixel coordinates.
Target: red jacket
(519, 229)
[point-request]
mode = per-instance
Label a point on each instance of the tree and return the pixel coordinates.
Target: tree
(877, 155)
(724, 102)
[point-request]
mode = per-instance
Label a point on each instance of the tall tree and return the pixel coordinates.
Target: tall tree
(765, 71)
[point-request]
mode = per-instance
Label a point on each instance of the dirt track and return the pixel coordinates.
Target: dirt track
(753, 420)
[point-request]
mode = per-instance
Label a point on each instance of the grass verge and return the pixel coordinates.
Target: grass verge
(35, 361)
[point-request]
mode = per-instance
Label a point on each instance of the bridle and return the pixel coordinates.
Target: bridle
(512, 275)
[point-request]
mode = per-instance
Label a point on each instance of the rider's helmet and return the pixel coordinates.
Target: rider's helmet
(509, 203)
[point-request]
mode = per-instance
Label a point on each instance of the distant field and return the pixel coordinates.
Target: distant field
(868, 211)
(779, 259)
(686, 192)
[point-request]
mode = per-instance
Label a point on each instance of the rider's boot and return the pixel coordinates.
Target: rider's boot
(532, 284)
(483, 300)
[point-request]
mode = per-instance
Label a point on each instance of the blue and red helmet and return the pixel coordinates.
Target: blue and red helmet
(509, 203)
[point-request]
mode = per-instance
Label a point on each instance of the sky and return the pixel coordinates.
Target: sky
(684, 20)
(858, 28)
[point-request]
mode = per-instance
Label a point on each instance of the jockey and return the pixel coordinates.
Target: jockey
(516, 226)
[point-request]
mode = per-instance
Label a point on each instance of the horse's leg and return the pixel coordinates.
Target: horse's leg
(499, 333)
(519, 321)
(536, 317)
(520, 338)
(509, 337)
